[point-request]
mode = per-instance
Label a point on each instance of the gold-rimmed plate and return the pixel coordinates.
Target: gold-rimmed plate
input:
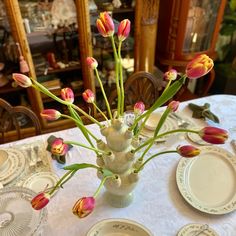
(208, 181)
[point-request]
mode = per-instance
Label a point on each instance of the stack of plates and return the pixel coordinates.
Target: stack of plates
(12, 164)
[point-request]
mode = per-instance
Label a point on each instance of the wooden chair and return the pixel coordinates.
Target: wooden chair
(140, 86)
(17, 122)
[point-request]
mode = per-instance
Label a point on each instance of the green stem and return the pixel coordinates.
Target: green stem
(60, 181)
(121, 79)
(41, 88)
(104, 94)
(100, 185)
(163, 134)
(167, 86)
(117, 75)
(101, 112)
(150, 158)
(79, 124)
(84, 146)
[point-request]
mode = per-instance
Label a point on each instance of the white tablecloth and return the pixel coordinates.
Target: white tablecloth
(157, 202)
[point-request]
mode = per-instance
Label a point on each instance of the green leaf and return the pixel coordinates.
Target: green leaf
(80, 166)
(232, 5)
(106, 172)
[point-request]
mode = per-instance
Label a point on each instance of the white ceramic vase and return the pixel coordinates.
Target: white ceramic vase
(120, 160)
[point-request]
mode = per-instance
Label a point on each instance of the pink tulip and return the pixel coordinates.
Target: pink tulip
(59, 148)
(105, 24)
(188, 151)
(92, 63)
(139, 108)
(22, 80)
(213, 135)
(88, 96)
(50, 114)
(199, 66)
(123, 30)
(84, 206)
(173, 106)
(67, 95)
(171, 74)
(40, 201)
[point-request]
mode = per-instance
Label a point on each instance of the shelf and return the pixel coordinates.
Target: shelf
(9, 89)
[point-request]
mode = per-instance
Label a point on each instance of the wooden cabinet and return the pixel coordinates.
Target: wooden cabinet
(29, 49)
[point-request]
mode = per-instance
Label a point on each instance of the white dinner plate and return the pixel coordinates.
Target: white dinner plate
(193, 229)
(41, 180)
(150, 125)
(118, 227)
(208, 181)
(16, 165)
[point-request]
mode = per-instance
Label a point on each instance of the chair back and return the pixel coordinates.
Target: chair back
(140, 86)
(17, 122)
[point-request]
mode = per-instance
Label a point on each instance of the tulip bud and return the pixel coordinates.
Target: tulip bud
(105, 25)
(123, 30)
(40, 201)
(92, 63)
(59, 148)
(171, 74)
(88, 96)
(84, 206)
(22, 80)
(199, 66)
(67, 95)
(188, 151)
(173, 105)
(50, 114)
(139, 108)
(213, 135)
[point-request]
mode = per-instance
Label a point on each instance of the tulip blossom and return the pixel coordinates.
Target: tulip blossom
(92, 63)
(84, 206)
(88, 96)
(58, 147)
(50, 114)
(105, 24)
(123, 30)
(139, 108)
(171, 75)
(67, 95)
(173, 105)
(213, 135)
(22, 80)
(40, 201)
(188, 151)
(199, 66)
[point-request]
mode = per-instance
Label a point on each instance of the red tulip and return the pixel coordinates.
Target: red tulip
(40, 201)
(173, 106)
(139, 108)
(213, 135)
(50, 114)
(123, 30)
(92, 63)
(188, 151)
(84, 206)
(171, 74)
(22, 80)
(58, 147)
(199, 66)
(105, 24)
(88, 96)
(67, 95)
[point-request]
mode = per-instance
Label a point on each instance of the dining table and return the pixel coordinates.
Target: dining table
(158, 203)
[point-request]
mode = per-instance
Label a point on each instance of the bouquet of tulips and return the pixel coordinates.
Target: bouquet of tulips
(198, 67)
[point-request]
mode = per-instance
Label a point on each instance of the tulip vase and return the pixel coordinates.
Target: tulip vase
(120, 160)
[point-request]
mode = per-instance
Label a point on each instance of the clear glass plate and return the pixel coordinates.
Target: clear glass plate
(17, 217)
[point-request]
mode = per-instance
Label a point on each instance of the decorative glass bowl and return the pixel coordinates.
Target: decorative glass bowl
(17, 217)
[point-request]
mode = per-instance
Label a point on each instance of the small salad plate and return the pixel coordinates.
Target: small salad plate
(118, 227)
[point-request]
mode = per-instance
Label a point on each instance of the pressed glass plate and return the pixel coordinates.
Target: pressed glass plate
(17, 217)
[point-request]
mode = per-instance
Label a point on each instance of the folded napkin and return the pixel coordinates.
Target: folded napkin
(203, 112)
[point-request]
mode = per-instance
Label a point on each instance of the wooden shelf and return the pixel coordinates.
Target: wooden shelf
(9, 89)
